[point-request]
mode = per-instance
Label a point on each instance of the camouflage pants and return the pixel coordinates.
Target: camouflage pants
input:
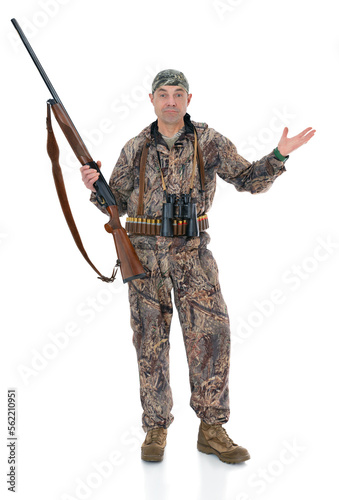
(187, 267)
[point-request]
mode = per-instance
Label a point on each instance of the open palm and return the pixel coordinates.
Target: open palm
(287, 145)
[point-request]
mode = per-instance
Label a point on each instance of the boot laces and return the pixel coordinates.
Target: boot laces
(222, 435)
(157, 435)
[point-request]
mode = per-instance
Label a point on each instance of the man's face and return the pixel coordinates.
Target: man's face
(170, 103)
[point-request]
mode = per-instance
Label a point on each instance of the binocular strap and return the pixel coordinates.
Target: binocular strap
(197, 155)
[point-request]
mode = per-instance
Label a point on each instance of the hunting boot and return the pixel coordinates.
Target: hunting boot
(152, 449)
(214, 439)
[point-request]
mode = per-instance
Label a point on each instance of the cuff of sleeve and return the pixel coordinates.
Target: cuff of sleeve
(274, 166)
(279, 156)
(92, 197)
(95, 202)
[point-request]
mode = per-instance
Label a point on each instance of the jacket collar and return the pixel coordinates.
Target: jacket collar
(188, 131)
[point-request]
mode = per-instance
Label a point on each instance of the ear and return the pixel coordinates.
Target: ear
(151, 96)
(189, 97)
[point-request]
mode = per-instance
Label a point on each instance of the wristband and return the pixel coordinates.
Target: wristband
(279, 156)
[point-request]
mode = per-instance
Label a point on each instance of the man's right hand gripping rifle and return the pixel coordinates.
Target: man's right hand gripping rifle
(90, 176)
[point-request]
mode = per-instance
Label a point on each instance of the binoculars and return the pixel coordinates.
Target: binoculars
(182, 208)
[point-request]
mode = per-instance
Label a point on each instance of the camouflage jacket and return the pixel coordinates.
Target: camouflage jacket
(220, 157)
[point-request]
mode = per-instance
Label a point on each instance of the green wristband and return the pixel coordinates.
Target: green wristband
(279, 156)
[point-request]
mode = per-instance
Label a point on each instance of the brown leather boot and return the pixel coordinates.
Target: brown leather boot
(214, 439)
(152, 449)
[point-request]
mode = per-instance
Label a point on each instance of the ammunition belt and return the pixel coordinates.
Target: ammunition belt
(152, 227)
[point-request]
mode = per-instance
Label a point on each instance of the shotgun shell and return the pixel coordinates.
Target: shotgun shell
(153, 227)
(179, 227)
(158, 227)
(143, 226)
(175, 227)
(184, 227)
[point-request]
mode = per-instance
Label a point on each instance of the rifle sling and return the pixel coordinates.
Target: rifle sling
(53, 153)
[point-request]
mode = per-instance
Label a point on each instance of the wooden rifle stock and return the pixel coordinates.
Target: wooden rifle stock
(130, 265)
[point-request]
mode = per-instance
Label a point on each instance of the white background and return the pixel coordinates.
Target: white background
(254, 67)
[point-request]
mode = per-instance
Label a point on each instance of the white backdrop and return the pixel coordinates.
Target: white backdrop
(254, 67)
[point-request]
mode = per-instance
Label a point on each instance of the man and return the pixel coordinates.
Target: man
(175, 156)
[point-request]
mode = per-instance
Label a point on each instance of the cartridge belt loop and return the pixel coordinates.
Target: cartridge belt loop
(152, 227)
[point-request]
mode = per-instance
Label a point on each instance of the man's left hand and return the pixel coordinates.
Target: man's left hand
(287, 145)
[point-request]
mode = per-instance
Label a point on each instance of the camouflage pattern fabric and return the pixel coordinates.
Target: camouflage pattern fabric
(188, 268)
(220, 158)
(170, 77)
(183, 265)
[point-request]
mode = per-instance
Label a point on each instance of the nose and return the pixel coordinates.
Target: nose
(171, 101)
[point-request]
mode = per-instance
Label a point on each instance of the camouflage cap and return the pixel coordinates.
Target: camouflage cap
(170, 77)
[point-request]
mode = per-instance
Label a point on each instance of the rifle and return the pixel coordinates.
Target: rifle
(130, 265)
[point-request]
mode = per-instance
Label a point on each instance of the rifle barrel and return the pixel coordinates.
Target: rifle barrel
(36, 61)
(41, 70)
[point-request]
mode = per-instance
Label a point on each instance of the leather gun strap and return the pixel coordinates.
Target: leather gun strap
(142, 177)
(53, 153)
